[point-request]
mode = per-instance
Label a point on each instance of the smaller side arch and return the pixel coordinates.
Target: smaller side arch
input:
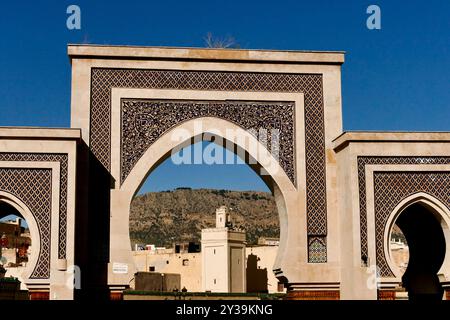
(23, 209)
(441, 213)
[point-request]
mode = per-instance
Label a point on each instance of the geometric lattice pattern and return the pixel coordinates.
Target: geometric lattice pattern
(63, 161)
(143, 122)
(390, 188)
(104, 79)
(317, 250)
(388, 160)
(34, 188)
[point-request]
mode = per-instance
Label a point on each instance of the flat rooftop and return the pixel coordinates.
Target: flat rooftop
(209, 54)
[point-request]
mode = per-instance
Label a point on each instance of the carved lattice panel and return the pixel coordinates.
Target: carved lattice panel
(34, 188)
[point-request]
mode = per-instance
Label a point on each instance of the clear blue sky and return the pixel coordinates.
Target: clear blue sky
(396, 78)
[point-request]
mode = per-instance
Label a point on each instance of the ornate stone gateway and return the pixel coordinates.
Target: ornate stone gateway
(338, 195)
(136, 98)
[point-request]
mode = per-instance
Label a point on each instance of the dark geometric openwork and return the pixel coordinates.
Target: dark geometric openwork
(104, 79)
(143, 122)
(34, 188)
(63, 161)
(388, 196)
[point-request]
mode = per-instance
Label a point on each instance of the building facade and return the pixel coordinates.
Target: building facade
(259, 260)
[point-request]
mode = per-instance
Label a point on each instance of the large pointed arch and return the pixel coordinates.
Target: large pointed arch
(237, 140)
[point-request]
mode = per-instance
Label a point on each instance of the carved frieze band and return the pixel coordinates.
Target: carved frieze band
(103, 80)
(390, 189)
(145, 121)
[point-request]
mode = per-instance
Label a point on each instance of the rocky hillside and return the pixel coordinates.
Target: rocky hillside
(162, 218)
